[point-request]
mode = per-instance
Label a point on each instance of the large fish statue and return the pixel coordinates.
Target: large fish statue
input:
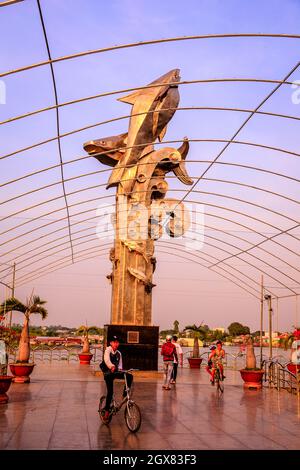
(152, 109)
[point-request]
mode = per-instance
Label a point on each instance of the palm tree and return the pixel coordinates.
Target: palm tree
(199, 332)
(33, 305)
(84, 330)
(176, 327)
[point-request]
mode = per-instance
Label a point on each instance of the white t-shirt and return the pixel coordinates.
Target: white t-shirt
(178, 350)
(296, 357)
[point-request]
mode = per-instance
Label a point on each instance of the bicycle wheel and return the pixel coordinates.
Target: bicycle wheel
(101, 410)
(220, 386)
(133, 417)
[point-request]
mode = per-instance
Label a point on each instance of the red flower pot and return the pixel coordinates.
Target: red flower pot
(292, 367)
(5, 381)
(195, 362)
(21, 372)
(85, 358)
(252, 378)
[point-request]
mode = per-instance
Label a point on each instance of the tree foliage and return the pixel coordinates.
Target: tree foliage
(236, 329)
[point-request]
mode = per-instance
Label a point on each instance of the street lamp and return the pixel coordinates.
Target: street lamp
(269, 300)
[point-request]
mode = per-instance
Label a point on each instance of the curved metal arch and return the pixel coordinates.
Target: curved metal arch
(93, 227)
(61, 244)
(92, 173)
(128, 90)
(197, 202)
(177, 249)
(230, 220)
(146, 43)
(205, 254)
(105, 170)
(57, 126)
(208, 255)
(161, 251)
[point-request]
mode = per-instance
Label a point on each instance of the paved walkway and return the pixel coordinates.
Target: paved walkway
(58, 410)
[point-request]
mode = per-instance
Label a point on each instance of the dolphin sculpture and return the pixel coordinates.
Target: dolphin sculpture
(111, 150)
(152, 109)
(108, 150)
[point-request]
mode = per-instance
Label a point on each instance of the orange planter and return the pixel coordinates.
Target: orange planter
(5, 381)
(85, 358)
(21, 372)
(195, 362)
(252, 378)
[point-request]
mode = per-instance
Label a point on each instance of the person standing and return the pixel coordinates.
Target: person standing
(179, 359)
(168, 351)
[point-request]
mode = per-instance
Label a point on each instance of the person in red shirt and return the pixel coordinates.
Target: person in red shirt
(168, 351)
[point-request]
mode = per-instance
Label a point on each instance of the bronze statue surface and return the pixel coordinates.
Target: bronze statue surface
(139, 173)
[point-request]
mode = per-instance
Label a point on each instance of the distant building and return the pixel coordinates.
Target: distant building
(219, 328)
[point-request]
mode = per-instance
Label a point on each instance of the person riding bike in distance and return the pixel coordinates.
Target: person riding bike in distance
(111, 367)
(209, 363)
(216, 357)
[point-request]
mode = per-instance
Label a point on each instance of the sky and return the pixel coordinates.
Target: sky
(236, 215)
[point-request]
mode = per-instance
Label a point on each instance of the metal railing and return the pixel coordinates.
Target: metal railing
(231, 361)
(278, 376)
(45, 353)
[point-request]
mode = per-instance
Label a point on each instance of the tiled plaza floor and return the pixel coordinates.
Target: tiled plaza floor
(58, 410)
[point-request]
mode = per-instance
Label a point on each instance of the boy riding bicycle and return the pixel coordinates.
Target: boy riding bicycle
(215, 360)
(111, 367)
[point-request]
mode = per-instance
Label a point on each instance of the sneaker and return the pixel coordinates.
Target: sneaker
(173, 382)
(212, 382)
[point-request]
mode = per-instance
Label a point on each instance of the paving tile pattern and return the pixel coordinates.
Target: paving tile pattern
(58, 410)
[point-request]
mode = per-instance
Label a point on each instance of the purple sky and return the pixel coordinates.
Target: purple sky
(186, 291)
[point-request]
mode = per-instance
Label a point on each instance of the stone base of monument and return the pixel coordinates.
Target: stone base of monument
(138, 345)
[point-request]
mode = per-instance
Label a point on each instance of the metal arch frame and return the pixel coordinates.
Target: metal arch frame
(213, 205)
(124, 166)
(206, 179)
(224, 149)
(223, 196)
(214, 238)
(41, 188)
(208, 255)
(269, 95)
(173, 243)
(127, 90)
(9, 2)
(221, 249)
(177, 249)
(149, 42)
(161, 251)
(57, 122)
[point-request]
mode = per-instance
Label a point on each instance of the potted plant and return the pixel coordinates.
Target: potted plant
(287, 342)
(85, 354)
(198, 333)
(22, 368)
(251, 375)
(5, 380)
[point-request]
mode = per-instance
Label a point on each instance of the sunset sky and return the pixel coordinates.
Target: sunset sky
(247, 207)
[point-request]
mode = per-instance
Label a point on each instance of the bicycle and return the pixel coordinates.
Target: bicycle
(132, 413)
(219, 380)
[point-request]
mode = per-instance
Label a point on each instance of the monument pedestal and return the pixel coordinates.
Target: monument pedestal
(138, 345)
